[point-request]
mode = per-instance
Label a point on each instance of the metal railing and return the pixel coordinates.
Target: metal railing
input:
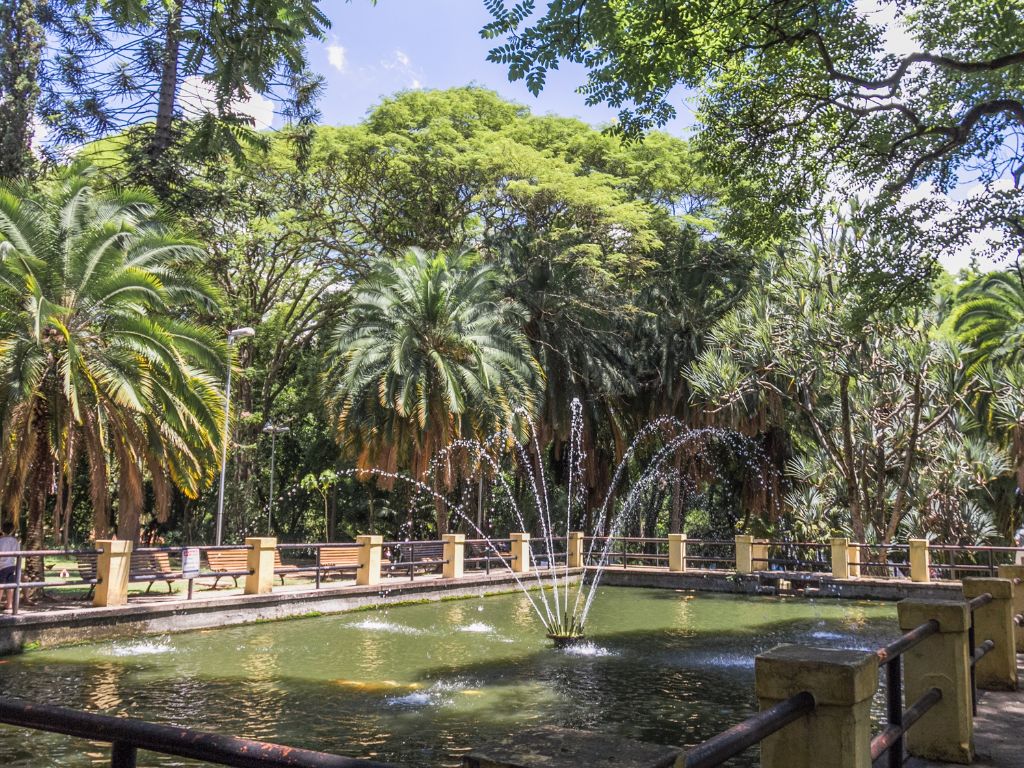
(21, 555)
(127, 736)
(898, 719)
(317, 567)
(402, 555)
(752, 731)
(494, 551)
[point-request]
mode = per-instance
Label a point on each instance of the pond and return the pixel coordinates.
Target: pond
(421, 684)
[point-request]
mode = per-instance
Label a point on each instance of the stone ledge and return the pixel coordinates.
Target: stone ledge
(78, 625)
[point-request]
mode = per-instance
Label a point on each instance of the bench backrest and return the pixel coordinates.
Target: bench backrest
(86, 566)
(421, 550)
(150, 563)
(339, 555)
(227, 559)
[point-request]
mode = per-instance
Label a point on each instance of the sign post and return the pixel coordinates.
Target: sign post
(190, 566)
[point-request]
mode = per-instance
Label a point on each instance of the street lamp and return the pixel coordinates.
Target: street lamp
(273, 430)
(238, 333)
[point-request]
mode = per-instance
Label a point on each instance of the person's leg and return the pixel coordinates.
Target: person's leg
(7, 578)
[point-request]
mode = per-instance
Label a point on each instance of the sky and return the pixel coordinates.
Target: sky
(373, 51)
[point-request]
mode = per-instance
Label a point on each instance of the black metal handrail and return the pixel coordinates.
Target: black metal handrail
(128, 735)
(751, 731)
(898, 719)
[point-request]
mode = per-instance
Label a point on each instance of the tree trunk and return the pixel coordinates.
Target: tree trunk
(852, 487)
(41, 473)
(21, 44)
(163, 135)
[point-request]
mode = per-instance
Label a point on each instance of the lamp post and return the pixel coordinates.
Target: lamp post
(238, 333)
(273, 430)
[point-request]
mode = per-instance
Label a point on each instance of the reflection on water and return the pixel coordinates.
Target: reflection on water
(421, 684)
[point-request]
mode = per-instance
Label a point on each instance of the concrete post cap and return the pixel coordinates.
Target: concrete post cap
(1001, 589)
(952, 615)
(835, 677)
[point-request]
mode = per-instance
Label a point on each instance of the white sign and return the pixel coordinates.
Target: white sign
(190, 563)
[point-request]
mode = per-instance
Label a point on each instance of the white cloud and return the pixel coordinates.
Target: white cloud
(402, 65)
(336, 56)
(197, 98)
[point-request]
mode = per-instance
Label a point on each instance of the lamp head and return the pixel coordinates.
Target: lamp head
(241, 333)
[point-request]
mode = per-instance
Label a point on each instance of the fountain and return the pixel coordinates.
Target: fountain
(562, 609)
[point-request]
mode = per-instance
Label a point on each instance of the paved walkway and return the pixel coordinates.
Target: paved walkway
(998, 730)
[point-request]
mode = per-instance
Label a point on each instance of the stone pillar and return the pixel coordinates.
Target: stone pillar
(1015, 573)
(744, 554)
(920, 564)
(369, 559)
(260, 562)
(946, 731)
(853, 558)
(112, 567)
(454, 553)
(520, 552)
(997, 670)
(840, 558)
(677, 552)
(837, 734)
(575, 549)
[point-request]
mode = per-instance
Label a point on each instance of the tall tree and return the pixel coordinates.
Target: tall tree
(875, 401)
(429, 352)
(800, 100)
(148, 63)
(96, 362)
(21, 44)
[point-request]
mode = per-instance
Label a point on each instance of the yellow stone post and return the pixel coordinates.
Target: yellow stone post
(260, 562)
(454, 554)
(369, 559)
(677, 552)
(575, 549)
(744, 553)
(946, 731)
(759, 555)
(1015, 573)
(997, 670)
(520, 552)
(112, 567)
(838, 733)
(840, 558)
(920, 563)
(853, 558)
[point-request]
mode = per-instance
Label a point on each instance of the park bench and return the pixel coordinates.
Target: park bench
(152, 567)
(338, 557)
(224, 561)
(145, 566)
(483, 549)
(87, 570)
(429, 554)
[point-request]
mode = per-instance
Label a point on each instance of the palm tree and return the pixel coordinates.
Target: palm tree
(989, 323)
(989, 320)
(96, 359)
(428, 353)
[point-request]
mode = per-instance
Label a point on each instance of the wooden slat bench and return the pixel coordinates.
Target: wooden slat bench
(152, 567)
(87, 570)
(334, 557)
(475, 550)
(417, 552)
(145, 566)
(220, 560)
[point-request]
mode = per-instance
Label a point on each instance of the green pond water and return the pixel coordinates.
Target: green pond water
(422, 684)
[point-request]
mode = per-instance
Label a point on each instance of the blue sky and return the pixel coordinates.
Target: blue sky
(374, 51)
